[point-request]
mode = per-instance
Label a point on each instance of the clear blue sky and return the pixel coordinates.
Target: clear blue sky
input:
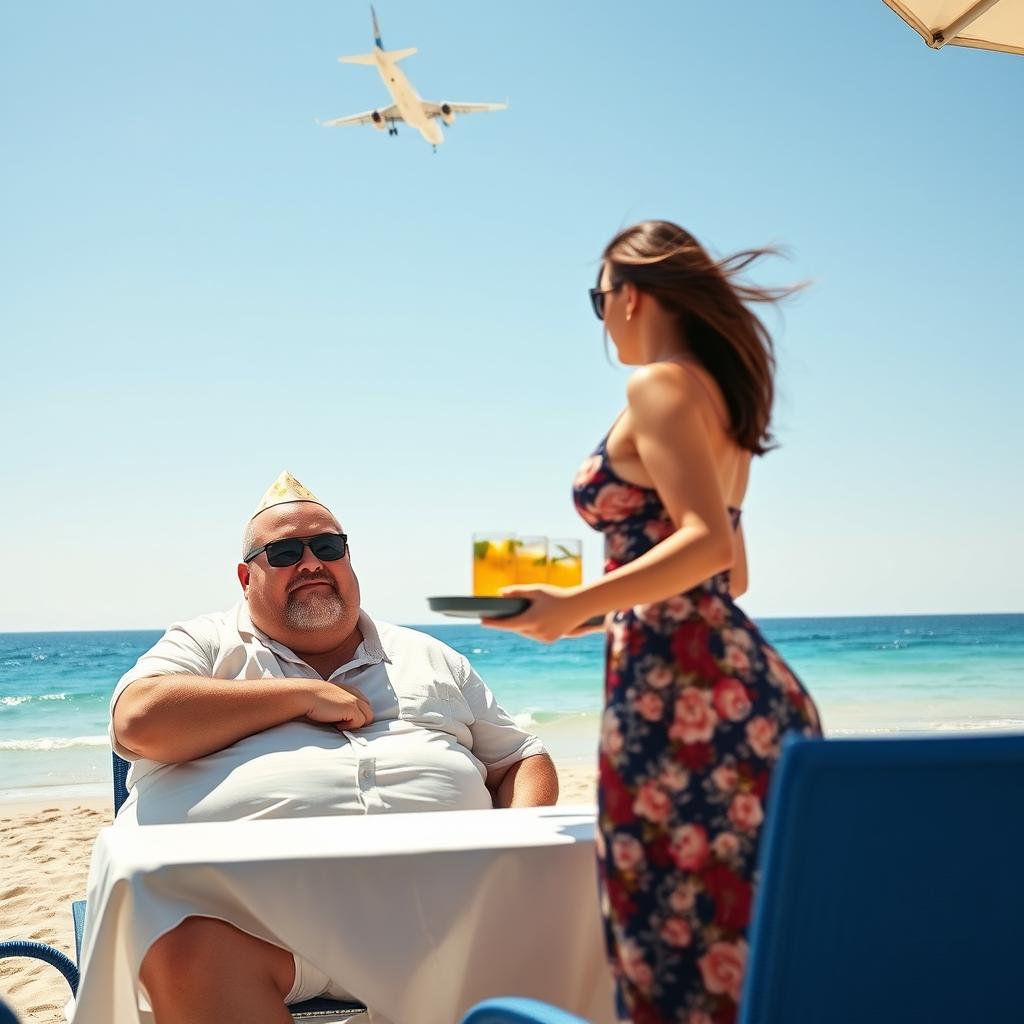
(201, 287)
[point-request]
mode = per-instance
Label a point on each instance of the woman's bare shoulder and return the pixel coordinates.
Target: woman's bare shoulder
(664, 390)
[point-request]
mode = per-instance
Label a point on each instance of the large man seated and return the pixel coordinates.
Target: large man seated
(296, 703)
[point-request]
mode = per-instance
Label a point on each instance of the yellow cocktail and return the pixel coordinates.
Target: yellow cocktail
(494, 563)
(565, 563)
(532, 560)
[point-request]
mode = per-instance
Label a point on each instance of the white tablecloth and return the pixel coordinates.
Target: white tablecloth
(418, 915)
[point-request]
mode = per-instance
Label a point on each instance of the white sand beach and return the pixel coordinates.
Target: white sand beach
(44, 862)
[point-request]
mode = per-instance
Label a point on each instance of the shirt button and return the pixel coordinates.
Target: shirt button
(365, 774)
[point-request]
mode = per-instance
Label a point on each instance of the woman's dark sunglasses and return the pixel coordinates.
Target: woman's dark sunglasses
(328, 547)
(597, 298)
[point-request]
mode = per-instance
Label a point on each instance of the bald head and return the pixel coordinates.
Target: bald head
(309, 606)
(266, 521)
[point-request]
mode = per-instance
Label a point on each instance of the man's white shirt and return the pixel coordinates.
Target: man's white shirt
(437, 731)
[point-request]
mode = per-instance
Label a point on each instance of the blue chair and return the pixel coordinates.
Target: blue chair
(319, 1008)
(518, 1011)
(891, 884)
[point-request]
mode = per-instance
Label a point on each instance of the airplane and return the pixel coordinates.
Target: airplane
(408, 106)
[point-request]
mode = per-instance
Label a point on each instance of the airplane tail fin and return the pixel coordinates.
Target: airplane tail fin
(376, 29)
(371, 58)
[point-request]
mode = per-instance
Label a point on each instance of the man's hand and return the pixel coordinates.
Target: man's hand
(338, 705)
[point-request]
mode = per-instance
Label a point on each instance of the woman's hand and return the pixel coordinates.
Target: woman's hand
(553, 613)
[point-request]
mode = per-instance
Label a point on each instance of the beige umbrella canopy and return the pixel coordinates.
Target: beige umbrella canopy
(985, 24)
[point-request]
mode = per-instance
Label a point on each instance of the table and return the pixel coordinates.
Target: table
(418, 915)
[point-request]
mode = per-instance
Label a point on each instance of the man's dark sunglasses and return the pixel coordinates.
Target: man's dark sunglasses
(597, 298)
(328, 547)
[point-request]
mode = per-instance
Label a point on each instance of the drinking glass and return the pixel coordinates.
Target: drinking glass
(494, 562)
(532, 560)
(565, 562)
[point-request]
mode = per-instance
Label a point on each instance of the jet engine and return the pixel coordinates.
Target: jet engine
(378, 121)
(447, 114)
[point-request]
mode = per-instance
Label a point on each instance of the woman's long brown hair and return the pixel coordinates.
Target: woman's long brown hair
(728, 339)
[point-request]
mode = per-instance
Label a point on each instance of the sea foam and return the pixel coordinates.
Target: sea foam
(55, 743)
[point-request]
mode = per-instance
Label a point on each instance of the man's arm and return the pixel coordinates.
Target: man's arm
(532, 782)
(181, 717)
(529, 781)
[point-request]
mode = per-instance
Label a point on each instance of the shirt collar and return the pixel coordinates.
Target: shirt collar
(369, 652)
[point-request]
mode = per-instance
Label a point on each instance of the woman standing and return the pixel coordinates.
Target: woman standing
(696, 700)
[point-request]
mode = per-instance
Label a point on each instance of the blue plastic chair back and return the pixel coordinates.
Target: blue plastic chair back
(121, 767)
(891, 884)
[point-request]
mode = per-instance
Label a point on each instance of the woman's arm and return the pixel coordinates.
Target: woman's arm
(672, 441)
(738, 578)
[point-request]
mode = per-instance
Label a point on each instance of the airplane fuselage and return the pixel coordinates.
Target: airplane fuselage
(407, 99)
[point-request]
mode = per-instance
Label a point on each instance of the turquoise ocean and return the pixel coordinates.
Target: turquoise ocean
(873, 676)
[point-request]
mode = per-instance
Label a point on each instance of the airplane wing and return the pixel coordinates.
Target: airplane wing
(439, 109)
(378, 117)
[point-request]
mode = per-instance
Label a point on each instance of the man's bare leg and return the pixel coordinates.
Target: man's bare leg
(206, 971)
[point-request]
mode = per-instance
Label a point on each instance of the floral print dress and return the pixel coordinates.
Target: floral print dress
(696, 703)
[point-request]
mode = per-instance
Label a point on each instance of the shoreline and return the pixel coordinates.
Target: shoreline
(575, 748)
(81, 793)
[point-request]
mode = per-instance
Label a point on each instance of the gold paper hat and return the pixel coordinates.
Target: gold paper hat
(284, 489)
